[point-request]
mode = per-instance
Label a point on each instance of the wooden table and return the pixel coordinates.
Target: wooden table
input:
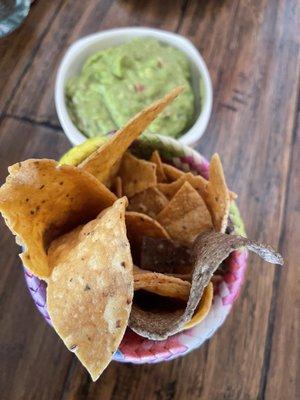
(252, 51)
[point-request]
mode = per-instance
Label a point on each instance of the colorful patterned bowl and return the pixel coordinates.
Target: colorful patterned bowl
(139, 350)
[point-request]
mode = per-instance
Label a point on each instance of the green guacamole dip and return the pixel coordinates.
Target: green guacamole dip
(117, 83)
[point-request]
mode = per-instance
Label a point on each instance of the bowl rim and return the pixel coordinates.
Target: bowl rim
(192, 135)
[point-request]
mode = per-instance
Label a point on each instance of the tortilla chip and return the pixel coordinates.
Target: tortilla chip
(41, 200)
(209, 250)
(101, 163)
(171, 172)
(90, 291)
(160, 284)
(136, 174)
(151, 201)
(139, 225)
(186, 215)
(203, 307)
(185, 277)
(217, 196)
(117, 187)
(165, 256)
(198, 183)
(160, 174)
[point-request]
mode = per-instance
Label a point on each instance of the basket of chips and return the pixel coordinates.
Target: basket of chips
(134, 252)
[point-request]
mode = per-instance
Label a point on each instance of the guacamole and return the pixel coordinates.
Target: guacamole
(118, 82)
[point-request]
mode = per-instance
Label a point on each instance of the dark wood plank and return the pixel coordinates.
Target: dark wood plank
(18, 49)
(282, 369)
(74, 20)
(33, 360)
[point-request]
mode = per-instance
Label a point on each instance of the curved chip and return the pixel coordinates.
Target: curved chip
(160, 284)
(41, 200)
(102, 162)
(209, 250)
(90, 291)
(203, 307)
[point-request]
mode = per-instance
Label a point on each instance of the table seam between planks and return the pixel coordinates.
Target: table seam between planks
(45, 124)
(183, 9)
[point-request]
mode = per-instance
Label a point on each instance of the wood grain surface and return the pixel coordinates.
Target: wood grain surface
(252, 49)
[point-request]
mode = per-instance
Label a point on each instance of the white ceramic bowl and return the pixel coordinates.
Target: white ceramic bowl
(80, 50)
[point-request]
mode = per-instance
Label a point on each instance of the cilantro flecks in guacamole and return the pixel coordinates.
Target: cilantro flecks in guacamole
(118, 82)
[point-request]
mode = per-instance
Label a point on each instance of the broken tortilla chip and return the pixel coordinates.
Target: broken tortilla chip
(41, 200)
(160, 284)
(171, 172)
(186, 215)
(151, 201)
(160, 173)
(217, 196)
(137, 175)
(101, 162)
(139, 225)
(198, 183)
(209, 250)
(117, 186)
(90, 291)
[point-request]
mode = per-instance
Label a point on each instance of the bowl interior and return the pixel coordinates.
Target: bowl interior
(135, 348)
(78, 53)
